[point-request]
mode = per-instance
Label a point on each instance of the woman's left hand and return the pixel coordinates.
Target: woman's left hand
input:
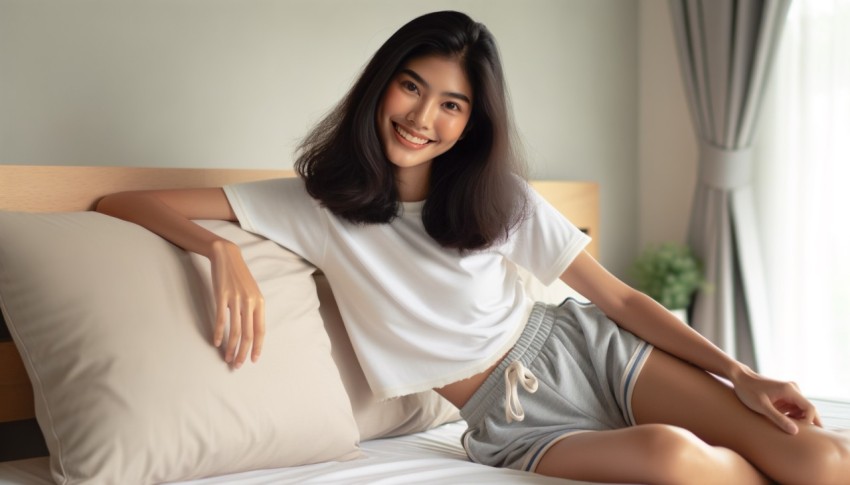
(781, 402)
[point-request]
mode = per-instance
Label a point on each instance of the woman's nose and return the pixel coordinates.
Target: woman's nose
(422, 114)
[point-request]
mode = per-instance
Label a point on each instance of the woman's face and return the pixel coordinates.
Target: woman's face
(422, 115)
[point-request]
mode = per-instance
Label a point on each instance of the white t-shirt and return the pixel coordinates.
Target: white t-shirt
(419, 315)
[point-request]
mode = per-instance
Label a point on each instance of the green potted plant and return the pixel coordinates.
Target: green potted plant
(670, 274)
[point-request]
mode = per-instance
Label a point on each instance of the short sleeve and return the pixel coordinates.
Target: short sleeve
(281, 210)
(546, 242)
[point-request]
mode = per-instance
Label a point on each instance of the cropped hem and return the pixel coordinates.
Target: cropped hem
(475, 369)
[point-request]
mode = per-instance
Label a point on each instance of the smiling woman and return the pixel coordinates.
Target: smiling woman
(432, 297)
(450, 92)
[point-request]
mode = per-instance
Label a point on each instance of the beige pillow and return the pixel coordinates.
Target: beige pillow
(114, 327)
(376, 418)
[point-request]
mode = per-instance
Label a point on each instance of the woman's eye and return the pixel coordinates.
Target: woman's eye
(409, 86)
(452, 106)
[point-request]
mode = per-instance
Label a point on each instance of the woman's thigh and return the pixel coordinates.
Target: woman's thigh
(672, 392)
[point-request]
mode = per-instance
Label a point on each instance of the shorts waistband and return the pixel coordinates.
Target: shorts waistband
(533, 336)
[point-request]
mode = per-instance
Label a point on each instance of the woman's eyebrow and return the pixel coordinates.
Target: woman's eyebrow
(418, 78)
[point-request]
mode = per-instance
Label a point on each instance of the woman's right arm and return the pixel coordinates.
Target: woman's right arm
(169, 214)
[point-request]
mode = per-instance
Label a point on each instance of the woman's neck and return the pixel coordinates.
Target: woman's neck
(412, 183)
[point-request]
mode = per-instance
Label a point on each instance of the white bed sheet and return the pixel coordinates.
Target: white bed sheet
(433, 457)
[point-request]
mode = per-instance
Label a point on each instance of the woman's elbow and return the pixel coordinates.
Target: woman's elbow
(624, 302)
(120, 204)
(106, 204)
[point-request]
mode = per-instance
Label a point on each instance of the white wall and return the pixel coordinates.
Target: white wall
(227, 83)
(667, 143)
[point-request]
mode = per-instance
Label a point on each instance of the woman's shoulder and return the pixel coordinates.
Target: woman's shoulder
(275, 192)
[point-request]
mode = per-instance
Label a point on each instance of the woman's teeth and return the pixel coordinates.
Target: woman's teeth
(407, 136)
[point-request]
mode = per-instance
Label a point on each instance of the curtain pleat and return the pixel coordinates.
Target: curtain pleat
(725, 51)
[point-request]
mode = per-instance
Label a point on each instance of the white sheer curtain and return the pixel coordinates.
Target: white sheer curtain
(802, 184)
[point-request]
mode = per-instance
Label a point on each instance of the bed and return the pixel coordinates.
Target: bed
(106, 376)
(135, 394)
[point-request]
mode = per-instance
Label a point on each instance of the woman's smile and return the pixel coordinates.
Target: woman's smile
(410, 138)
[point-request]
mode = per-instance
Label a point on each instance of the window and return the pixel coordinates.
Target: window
(802, 186)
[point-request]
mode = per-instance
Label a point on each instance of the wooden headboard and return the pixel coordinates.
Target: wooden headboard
(62, 189)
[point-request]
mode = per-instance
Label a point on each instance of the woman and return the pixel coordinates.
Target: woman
(411, 200)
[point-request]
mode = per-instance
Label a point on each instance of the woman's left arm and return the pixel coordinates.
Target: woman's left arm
(644, 317)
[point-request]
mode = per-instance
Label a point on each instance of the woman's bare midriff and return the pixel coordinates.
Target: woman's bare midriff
(458, 393)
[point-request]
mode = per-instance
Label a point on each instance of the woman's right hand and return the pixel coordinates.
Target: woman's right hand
(238, 298)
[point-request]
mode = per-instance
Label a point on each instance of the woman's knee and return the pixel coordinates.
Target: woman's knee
(683, 457)
(674, 449)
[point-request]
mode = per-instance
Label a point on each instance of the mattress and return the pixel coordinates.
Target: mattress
(432, 457)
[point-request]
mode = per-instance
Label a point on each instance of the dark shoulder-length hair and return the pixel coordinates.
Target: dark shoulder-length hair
(477, 192)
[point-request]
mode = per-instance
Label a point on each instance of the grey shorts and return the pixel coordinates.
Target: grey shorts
(582, 369)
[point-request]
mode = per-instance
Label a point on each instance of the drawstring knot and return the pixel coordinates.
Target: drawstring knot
(517, 373)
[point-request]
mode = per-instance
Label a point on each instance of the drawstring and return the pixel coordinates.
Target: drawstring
(517, 373)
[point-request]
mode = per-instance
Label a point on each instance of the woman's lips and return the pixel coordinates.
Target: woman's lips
(411, 139)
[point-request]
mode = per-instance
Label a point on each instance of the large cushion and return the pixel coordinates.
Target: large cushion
(114, 326)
